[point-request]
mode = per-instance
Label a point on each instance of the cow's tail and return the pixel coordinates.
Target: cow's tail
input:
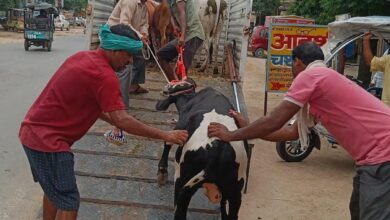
(197, 179)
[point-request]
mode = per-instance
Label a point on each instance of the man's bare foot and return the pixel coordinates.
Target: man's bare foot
(137, 89)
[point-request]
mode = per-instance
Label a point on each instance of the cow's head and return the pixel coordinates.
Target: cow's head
(180, 100)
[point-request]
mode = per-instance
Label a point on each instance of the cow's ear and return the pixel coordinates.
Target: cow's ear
(164, 104)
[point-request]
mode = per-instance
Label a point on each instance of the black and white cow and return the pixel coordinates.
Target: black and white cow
(203, 160)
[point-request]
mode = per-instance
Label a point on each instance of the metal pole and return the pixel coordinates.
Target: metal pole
(265, 102)
(236, 96)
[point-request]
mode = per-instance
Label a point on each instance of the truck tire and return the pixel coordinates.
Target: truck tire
(49, 46)
(26, 45)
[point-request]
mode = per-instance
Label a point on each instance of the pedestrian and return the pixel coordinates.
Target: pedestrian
(133, 13)
(359, 121)
(83, 89)
(190, 34)
(378, 64)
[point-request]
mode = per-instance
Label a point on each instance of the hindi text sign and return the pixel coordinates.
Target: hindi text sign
(282, 40)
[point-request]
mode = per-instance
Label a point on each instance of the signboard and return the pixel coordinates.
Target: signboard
(290, 19)
(282, 40)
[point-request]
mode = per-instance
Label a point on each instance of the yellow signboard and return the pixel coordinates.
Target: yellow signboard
(282, 40)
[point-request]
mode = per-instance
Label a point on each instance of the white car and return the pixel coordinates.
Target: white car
(80, 21)
(61, 23)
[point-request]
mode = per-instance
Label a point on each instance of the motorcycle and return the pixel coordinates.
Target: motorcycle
(293, 151)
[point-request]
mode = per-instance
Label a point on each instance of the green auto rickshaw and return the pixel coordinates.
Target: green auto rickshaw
(39, 25)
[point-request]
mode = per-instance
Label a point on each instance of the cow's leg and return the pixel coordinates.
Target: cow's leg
(162, 173)
(223, 209)
(213, 193)
(215, 54)
(216, 42)
(234, 204)
(183, 199)
(154, 40)
(206, 46)
(163, 37)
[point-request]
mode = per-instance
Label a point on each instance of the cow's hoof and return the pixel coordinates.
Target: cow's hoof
(162, 178)
(202, 69)
(215, 70)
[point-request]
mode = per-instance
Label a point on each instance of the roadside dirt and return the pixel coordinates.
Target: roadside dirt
(15, 37)
(317, 188)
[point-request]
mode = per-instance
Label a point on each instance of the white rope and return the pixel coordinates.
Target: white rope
(158, 64)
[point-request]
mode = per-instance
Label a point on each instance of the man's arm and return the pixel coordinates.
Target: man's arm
(260, 128)
(124, 121)
(181, 9)
(145, 24)
(286, 133)
(367, 53)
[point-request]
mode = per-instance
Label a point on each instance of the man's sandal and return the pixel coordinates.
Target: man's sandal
(118, 140)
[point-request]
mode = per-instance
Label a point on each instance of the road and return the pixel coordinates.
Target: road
(22, 77)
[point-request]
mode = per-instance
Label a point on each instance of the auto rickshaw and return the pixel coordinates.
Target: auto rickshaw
(15, 19)
(39, 25)
(342, 34)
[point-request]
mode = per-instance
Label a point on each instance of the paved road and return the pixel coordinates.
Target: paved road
(22, 77)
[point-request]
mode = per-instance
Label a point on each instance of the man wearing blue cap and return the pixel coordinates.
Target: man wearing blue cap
(82, 90)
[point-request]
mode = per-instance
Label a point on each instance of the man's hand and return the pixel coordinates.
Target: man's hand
(176, 136)
(219, 131)
(181, 39)
(145, 38)
(240, 120)
(367, 36)
(176, 30)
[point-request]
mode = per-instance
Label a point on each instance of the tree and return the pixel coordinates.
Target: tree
(76, 5)
(266, 7)
(7, 4)
(324, 11)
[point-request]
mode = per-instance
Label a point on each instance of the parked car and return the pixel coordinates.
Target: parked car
(259, 41)
(61, 23)
(3, 20)
(80, 21)
(72, 21)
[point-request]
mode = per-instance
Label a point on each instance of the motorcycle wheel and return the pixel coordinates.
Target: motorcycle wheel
(290, 151)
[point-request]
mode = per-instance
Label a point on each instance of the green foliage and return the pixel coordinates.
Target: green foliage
(267, 7)
(7, 4)
(76, 5)
(324, 11)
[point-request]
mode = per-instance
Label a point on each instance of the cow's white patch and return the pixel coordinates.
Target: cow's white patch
(200, 139)
(177, 171)
(196, 179)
